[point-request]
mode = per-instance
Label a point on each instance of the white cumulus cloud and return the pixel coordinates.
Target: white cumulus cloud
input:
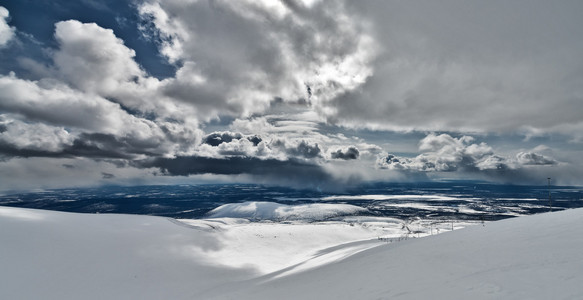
(92, 58)
(6, 31)
(444, 153)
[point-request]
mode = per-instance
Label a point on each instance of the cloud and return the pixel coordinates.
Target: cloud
(266, 146)
(239, 56)
(32, 136)
(107, 175)
(299, 149)
(226, 143)
(444, 153)
(270, 170)
(96, 95)
(216, 138)
(109, 146)
(95, 146)
(39, 140)
(46, 172)
(6, 32)
(92, 59)
(531, 158)
(478, 67)
(345, 154)
(57, 104)
(275, 90)
(463, 158)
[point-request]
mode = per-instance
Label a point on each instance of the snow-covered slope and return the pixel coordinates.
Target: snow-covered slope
(531, 257)
(53, 255)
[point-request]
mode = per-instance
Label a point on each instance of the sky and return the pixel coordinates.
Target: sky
(318, 94)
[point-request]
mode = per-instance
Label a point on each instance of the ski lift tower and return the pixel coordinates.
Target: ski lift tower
(549, 188)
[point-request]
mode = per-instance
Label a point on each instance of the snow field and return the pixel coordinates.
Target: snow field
(55, 255)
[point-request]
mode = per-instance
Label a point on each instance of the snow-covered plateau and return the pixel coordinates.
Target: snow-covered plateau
(57, 255)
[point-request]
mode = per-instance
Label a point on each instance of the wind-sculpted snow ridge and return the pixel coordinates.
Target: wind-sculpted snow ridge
(280, 212)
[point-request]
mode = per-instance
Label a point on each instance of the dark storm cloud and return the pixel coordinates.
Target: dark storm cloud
(269, 169)
(346, 154)
(96, 145)
(301, 149)
(226, 143)
(110, 146)
(255, 140)
(216, 138)
(305, 150)
(8, 150)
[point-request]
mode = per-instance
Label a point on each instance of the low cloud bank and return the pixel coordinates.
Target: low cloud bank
(289, 171)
